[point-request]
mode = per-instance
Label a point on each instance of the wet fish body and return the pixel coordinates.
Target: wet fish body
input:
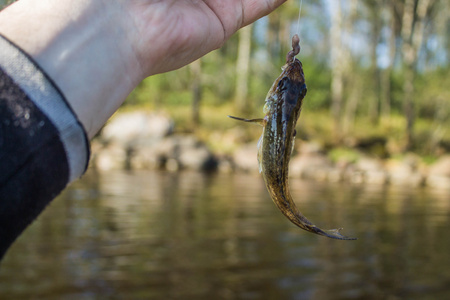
(282, 108)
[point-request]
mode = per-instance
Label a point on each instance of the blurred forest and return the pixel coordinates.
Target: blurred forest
(376, 70)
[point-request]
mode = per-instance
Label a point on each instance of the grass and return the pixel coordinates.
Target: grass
(344, 154)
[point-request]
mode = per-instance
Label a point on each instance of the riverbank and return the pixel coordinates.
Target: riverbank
(148, 140)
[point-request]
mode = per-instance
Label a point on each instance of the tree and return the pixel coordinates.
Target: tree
(354, 93)
(375, 10)
(413, 22)
(337, 65)
(242, 69)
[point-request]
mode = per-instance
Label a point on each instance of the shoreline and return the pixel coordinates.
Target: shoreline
(137, 140)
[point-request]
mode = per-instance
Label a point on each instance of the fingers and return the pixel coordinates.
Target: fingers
(172, 33)
(252, 10)
(235, 14)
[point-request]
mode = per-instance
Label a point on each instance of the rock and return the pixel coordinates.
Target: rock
(172, 146)
(225, 164)
(310, 148)
(376, 177)
(367, 164)
(172, 165)
(172, 152)
(188, 152)
(439, 173)
(441, 167)
(311, 166)
(404, 173)
(245, 158)
(370, 170)
(127, 127)
(197, 158)
(112, 157)
(144, 154)
(334, 175)
(437, 181)
(413, 161)
(234, 136)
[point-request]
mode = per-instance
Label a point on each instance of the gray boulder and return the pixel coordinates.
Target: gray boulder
(127, 127)
(439, 173)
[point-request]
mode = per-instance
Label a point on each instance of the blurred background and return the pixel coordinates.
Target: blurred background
(374, 69)
(173, 207)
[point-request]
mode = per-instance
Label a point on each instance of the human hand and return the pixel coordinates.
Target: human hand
(167, 35)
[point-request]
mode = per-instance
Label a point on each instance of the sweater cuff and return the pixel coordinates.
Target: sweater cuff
(48, 98)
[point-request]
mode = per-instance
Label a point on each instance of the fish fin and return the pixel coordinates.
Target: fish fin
(259, 145)
(293, 141)
(257, 121)
(332, 233)
(290, 210)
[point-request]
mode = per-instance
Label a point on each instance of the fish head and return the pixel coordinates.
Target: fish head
(294, 71)
(291, 87)
(284, 99)
(291, 83)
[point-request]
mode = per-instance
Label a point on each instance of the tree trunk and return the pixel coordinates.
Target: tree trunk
(374, 103)
(408, 102)
(413, 27)
(242, 69)
(337, 67)
(385, 81)
(273, 35)
(351, 104)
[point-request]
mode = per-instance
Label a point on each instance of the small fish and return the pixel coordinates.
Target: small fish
(275, 146)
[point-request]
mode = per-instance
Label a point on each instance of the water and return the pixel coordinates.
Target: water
(153, 235)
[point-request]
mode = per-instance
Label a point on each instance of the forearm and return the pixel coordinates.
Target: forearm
(82, 48)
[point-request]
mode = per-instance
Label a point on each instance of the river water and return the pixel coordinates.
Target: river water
(158, 235)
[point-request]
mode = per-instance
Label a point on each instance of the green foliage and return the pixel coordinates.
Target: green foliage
(173, 91)
(344, 155)
(318, 78)
(218, 76)
(4, 3)
(432, 98)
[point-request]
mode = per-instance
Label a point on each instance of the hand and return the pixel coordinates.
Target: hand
(170, 34)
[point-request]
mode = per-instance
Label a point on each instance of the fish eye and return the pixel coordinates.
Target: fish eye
(282, 84)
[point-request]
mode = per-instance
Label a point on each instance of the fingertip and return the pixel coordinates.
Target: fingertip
(256, 9)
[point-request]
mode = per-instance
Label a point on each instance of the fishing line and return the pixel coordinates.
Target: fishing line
(296, 38)
(298, 20)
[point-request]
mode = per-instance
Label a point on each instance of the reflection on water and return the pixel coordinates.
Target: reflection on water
(152, 235)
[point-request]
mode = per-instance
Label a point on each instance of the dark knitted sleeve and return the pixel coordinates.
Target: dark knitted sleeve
(43, 146)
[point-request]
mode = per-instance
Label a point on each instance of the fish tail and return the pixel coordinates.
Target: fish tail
(287, 206)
